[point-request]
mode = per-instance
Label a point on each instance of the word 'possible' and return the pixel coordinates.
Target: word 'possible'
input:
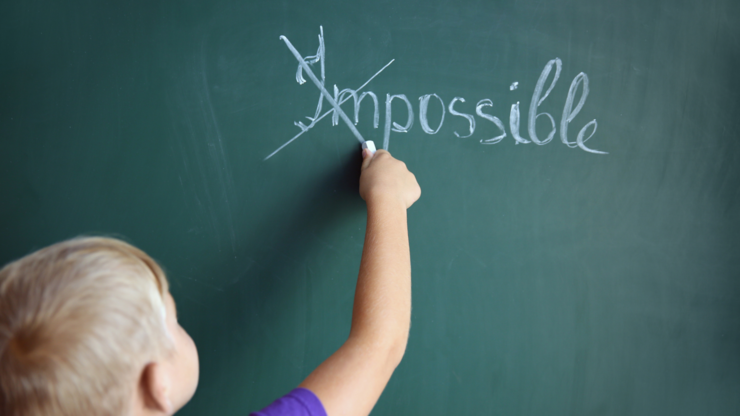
(339, 97)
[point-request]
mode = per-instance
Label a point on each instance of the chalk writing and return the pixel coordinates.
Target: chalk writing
(339, 97)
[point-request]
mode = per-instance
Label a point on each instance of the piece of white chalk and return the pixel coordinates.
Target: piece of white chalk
(369, 145)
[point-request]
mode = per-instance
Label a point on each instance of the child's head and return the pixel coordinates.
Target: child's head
(88, 327)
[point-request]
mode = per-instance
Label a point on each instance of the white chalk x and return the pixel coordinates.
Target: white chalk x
(369, 145)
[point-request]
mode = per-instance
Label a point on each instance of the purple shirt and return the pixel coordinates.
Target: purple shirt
(299, 402)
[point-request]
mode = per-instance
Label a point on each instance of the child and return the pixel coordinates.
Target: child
(88, 327)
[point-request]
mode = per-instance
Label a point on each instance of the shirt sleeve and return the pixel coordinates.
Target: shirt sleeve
(299, 402)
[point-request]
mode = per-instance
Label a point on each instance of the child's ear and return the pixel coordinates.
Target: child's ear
(155, 388)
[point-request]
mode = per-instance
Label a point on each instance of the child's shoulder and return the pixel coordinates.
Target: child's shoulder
(299, 402)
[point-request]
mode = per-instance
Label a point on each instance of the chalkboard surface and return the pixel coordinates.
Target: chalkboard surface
(575, 251)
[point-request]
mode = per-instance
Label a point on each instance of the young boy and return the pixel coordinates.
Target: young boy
(88, 327)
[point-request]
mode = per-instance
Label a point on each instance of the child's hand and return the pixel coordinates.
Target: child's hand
(384, 177)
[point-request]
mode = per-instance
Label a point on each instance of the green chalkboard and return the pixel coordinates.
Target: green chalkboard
(551, 275)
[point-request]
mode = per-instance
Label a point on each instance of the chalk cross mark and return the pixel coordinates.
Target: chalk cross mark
(325, 93)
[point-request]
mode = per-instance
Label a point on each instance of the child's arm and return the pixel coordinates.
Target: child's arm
(351, 380)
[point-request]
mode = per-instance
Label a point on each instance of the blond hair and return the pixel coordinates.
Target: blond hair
(78, 321)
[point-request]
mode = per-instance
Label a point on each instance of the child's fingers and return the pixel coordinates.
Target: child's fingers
(379, 154)
(367, 157)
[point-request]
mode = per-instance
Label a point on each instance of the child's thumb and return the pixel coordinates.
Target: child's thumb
(367, 156)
